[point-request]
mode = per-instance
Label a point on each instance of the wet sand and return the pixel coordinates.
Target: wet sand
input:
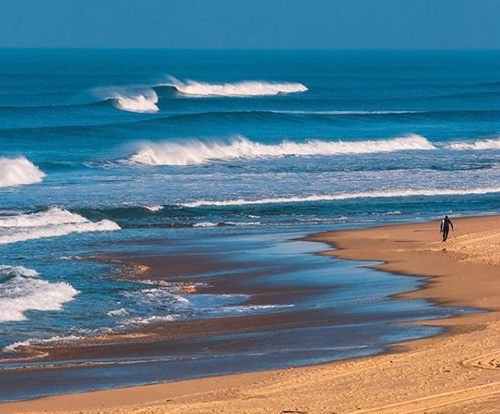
(455, 372)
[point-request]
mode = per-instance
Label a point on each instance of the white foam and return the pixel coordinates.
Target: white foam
(51, 223)
(346, 196)
(118, 312)
(20, 270)
(227, 223)
(152, 319)
(243, 223)
(38, 342)
(206, 224)
(18, 171)
(198, 152)
(478, 145)
(23, 292)
(138, 103)
(391, 213)
(248, 308)
(238, 89)
(159, 295)
(154, 208)
(133, 99)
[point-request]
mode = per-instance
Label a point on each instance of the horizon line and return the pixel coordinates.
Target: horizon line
(246, 49)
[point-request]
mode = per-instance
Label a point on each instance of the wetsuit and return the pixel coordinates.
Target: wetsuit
(445, 227)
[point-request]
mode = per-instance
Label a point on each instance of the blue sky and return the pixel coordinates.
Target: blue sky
(252, 24)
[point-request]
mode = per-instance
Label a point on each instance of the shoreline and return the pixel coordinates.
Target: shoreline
(409, 249)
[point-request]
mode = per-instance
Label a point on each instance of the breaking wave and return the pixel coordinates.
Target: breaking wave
(51, 223)
(199, 152)
(154, 208)
(345, 196)
(478, 145)
(138, 99)
(238, 89)
(18, 171)
(21, 290)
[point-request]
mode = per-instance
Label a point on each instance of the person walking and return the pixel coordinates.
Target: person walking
(445, 227)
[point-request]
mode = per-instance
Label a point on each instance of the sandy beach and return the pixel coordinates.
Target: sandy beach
(457, 372)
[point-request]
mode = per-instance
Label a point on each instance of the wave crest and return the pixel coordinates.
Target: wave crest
(51, 223)
(21, 291)
(478, 145)
(18, 171)
(238, 89)
(134, 99)
(199, 152)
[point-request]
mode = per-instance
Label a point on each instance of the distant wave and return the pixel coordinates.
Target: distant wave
(347, 112)
(21, 290)
(134, 99)
(238, 89)
(478, 145)
(344, 196)
(18, 171)
(144, 98)
(198, 152)
(50, 223)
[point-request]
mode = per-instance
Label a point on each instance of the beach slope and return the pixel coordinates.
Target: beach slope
(457, 372)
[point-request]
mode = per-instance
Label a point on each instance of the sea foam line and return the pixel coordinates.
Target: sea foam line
(346, 112)
(238, 89)
(192, 152)
(18, 171)
(51, 223)
(344, 196)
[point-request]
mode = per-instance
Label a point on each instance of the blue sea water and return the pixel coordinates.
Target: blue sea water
(229, 154)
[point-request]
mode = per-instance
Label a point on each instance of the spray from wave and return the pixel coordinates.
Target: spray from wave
(21, 290)
(478, 145)
(18, 171)
(345, 196)
(133, 99)
(51, 223)
(199, 152)
(238, 89)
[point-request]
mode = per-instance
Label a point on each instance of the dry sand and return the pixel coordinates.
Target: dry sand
(458, 372)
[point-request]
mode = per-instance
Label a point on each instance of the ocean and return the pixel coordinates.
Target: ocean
(225, 158)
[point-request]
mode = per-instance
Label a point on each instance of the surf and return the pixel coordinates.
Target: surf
(133, 99)
(344, 196)
(237, 89)
(192, 152)
(54, 222)
(23, 290)
(18, 171)
(487, 144)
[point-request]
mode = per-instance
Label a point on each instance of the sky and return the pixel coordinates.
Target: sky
(251, 24)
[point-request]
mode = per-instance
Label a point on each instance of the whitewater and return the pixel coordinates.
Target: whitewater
(18, 171)
(199, 152)
(138, 99)
(23, 290)
(144, 98)
(348, 196)
(237, 89)
(53, 222)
